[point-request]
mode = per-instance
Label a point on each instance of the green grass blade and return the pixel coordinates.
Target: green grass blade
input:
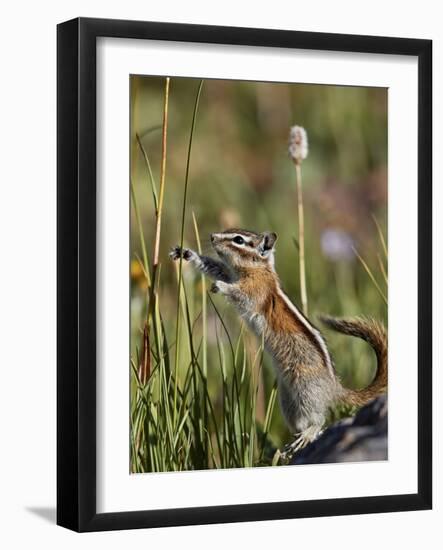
(381, 236)
(371, 276)
(182, 230)
(141, 234)
(204, 302)
(149, 169)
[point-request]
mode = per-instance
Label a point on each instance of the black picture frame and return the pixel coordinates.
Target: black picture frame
(76, 273)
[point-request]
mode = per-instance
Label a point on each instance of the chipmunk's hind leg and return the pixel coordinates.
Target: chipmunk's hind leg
(304, 417)
(301, 440)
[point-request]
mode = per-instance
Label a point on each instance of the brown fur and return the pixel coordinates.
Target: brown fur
(374, 333)
(262, 283)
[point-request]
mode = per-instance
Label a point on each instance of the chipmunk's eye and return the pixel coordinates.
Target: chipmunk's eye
(239, 240)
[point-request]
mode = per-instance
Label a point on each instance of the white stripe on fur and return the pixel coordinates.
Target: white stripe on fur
(315, 333)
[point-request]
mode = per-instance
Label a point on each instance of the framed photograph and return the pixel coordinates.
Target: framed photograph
(242, 215)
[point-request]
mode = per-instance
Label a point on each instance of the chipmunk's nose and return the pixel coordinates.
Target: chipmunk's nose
(212, 237)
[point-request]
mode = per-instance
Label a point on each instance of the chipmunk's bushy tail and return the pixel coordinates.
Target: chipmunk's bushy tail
(374, 333)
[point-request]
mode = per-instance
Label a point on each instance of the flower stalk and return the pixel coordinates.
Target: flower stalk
(298, 150)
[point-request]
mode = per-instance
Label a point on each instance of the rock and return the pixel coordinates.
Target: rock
(358, 439)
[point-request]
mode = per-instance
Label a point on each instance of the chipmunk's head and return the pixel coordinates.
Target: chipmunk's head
(240, 248)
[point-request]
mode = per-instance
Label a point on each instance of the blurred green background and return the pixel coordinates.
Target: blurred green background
(241, 176)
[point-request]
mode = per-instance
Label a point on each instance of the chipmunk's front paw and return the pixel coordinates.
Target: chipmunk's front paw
(219, 286)
(177, 252)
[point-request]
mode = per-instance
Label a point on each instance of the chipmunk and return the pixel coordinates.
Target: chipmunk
(307, 381)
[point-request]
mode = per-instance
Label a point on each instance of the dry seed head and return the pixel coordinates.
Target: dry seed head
(298, 144)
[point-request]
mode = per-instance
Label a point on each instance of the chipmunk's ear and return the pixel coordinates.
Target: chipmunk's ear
(267, 242)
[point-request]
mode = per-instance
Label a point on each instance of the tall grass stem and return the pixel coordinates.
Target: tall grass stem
(301, 240)
(371, 276)
(141, 234)
(182, 232)
(162, 175)
(204, 303)
(151, 175)
(159, 210)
